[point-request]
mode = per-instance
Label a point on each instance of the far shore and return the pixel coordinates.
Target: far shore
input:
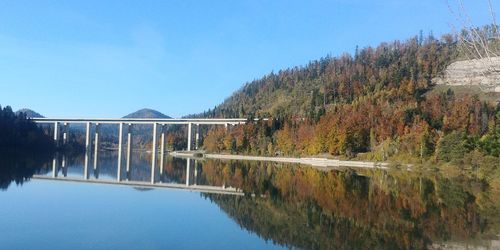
(317, 162)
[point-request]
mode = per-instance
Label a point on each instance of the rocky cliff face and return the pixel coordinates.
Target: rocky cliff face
(484, 73)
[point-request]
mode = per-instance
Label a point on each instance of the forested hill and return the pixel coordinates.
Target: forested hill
(397, 69)
(146, 113)
(29, 113)
(376, 101)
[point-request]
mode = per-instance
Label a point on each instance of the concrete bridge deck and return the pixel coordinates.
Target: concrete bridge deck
(205, 121)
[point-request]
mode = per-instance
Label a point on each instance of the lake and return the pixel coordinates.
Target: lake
(65, 202)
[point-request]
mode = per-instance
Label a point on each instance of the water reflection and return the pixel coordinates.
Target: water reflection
(176, 173)
(313, 209)
(19, 168)
(305, 207)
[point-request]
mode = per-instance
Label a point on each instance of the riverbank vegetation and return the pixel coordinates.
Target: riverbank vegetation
(375, 105)
(18, 134)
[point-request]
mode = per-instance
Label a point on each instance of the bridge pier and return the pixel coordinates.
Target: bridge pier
(56, 133)
(86, 165)
(188, 166)
(96, 144)
(65, 133)
(197, 137)
(64, 167)
(87, 136)
(129, 146)
(87, 150)
(162, 148)
(54, 167)
(189, 137)
(153, 154)
(195, 182)
(120, 143)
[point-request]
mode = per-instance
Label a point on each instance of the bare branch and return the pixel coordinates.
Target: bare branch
(493, 18)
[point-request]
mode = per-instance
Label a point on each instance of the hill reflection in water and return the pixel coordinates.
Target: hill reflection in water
(305, 207)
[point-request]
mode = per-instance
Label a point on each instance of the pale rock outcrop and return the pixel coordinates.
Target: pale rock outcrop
(484, 73)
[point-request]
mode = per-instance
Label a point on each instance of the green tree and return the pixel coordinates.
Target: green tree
(452, 146)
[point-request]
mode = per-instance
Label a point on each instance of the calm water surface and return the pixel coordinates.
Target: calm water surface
(67, 203)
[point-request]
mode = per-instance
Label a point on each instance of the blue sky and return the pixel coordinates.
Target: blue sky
(110, 58)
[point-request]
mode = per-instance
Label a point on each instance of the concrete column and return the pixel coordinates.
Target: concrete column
(120, 143)
(87, 151)
(129, 146)
(188, 166)
(96, 144)
(195, 182)
(54, 167)
(197, 137)
(153, 154)
(64, 167)
(189, 137)
(87, 137)
(56, 133)
(65, 133)
(226, 125)
(162, 148)
(86, 165)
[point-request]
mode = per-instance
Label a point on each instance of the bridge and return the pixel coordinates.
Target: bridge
(134, 121)
(130, 122)
(191, 184)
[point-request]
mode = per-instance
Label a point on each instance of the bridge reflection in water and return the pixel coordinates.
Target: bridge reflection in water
(160, 180)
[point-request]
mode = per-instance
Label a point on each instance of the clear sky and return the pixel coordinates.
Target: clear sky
(109, 58)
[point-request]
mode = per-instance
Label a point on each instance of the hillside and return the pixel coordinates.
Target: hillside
(29, 113)
(308, 91)
(146, 113)
(377, 104)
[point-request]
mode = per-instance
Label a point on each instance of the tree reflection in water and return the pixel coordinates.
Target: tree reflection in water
(314, 209)
(19, 168)
(305, 207)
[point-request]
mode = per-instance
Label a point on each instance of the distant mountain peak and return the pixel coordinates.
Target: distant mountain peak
(30, 113)
(146, 113)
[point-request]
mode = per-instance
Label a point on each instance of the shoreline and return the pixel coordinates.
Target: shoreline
(317, 162)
